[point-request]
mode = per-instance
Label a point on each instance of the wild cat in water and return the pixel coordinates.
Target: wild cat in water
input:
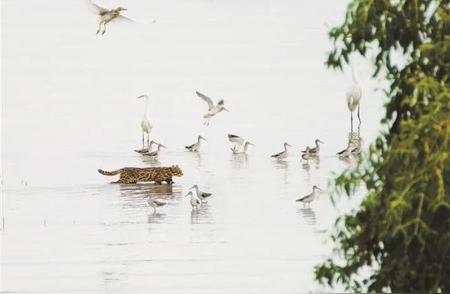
(132, 175)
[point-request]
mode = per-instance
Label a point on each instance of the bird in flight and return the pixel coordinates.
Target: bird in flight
(107, 15)
(212, 109)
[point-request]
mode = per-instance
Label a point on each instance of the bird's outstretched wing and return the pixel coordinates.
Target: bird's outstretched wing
(123, 18)
(94, 8)
(235, 139)
(206, 99)
(221, 102)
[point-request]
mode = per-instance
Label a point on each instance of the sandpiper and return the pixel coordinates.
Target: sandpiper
(196, 146)
(306, 155)
(155, 203)
(315, 150)
(146, 149)
(106, 15)
(236, 139)
(212, 109)
(195, 201)
(156, 152)
(200, 194)
(282, 154)
(346, 152)
(237, 150)
(310, 197)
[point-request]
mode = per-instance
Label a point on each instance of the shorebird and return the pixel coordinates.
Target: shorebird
(235, 139)
(106, 15)
(195, 201)
(146, 149)
(156, 152)
(237, 150)
(354, 95)
(346, 152)
(196, 146)
(155, 203)
(310, 197)
(146, 126)
(305, 154)
(282, 154)
(212, 109)
(315, 150)
(200, 194)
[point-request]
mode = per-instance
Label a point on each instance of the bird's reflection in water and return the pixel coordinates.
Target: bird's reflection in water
(316, 161)
(197, 157)
(134, 192)
(239, 161)
(201, 215)
(155, 217)
(308, 215)
(153, 161)
(281, 164)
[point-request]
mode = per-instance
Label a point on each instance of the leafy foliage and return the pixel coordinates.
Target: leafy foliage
(401, 231)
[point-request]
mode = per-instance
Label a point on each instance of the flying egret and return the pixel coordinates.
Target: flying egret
(156, 152)
(315, 150)
(196, 146)
(146, 149)
(106, 15)
(155, 203)
(237, 150)
(282, 154)
(354, 95)
(146, 126)
(310, 197)
(200, 194)
(212, 109)
(195, 201)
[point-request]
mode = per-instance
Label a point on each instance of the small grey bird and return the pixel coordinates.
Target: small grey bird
(195, 201)
(310, 197)
(196, 146)
(315, 150)
(155, 203)
(146, 149)
(156, 152)
(200, 194)
(282, 154)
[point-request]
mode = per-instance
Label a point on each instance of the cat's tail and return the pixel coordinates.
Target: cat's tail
(109, 173)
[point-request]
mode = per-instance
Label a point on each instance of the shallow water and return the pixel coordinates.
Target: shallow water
(69, 108)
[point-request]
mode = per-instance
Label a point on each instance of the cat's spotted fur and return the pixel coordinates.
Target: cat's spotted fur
(132, 175)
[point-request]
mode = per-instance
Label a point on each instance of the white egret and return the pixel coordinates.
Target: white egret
(146, 126)
(106, 15)
(195, 201)
(196, 146)
(156, 152)
(282, 154)
(212, 109)
(155, 203)
(310, 197)
(200, 194)
(354, 95)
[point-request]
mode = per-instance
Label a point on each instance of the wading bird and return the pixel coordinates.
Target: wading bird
(354, 95)
(195, 201)
(346, 152)
(310, 197)
(212, 109)
(106, 15)
(242, 150)
(196, 146)
(200, 194)
(155, 203)
(315, 150)
(146, 149)
(306, 155)
(156, 152)
(146, 126)
(235, 139)
(282, 154)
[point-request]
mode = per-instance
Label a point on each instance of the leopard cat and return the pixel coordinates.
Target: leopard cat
(132, 175)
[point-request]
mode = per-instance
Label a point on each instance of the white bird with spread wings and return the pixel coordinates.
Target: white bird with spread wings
(212, 109)
(107, 15)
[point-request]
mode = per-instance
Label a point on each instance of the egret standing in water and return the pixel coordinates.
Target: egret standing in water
(212, 109)
(146, 126)
(196, 146)
(106, 15)
(282, 154)
(155, 203)
(310, 197)
(354, 95)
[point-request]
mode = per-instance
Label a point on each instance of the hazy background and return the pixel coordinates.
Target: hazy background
(69, 107)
